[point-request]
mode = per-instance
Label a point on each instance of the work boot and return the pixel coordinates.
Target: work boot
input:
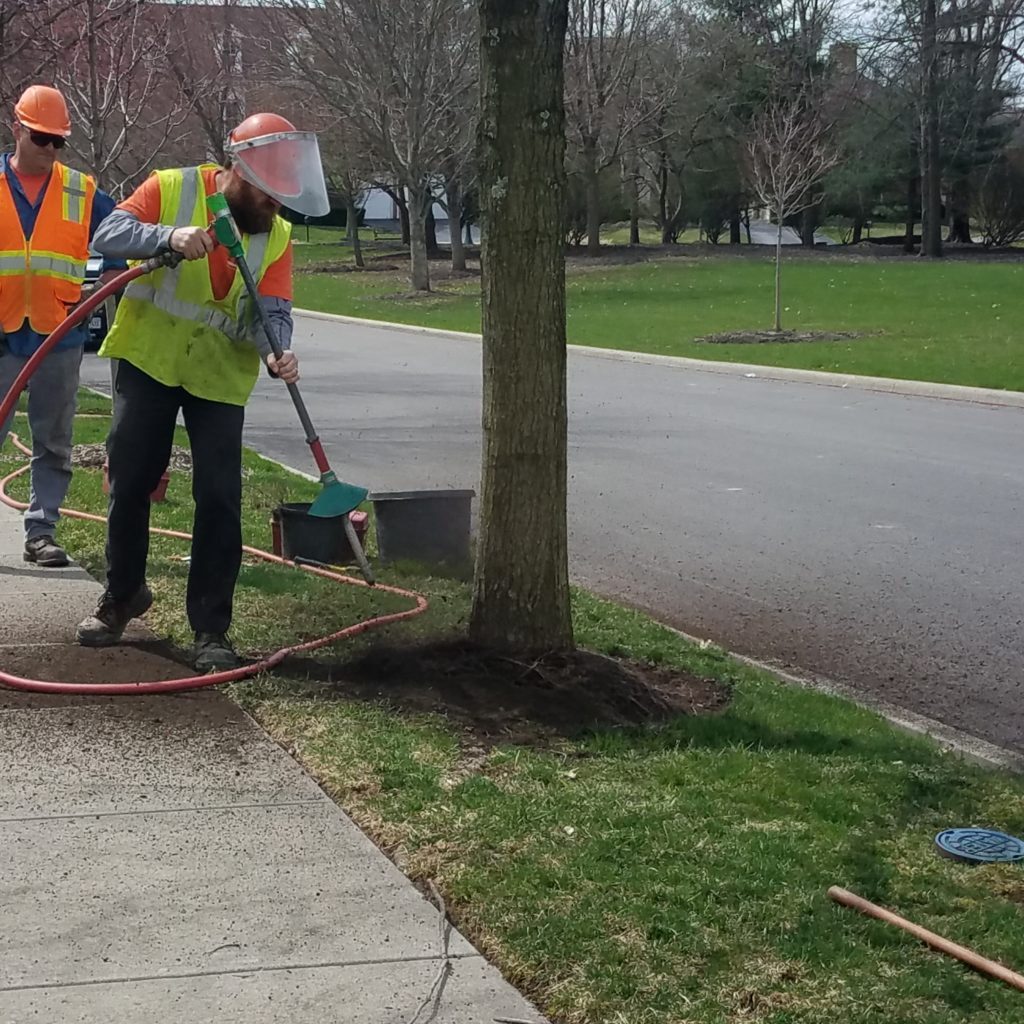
(107, 626)
(213, 653)
(45, 551)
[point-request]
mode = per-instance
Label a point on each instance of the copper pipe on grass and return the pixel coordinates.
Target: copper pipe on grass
(966, 956)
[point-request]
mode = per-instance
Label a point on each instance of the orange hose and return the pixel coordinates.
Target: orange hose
(214, 679)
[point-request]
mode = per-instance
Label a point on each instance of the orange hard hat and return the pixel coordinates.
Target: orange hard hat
(41, 108)
(271, 153)
(255, 126)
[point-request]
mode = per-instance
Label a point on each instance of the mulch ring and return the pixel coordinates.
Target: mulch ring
(94, 456)
(329, 267)
(504, 698)
(766, 337)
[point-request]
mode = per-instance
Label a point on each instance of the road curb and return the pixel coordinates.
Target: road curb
(949, 739)
(820, 378)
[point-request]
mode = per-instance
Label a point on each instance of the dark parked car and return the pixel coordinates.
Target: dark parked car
(99, 323)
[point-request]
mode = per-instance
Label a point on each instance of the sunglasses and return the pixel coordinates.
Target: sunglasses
(42, 139)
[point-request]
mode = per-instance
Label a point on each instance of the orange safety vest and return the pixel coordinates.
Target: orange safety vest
(41, 277)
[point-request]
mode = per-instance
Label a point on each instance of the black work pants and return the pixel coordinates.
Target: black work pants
(139, 448)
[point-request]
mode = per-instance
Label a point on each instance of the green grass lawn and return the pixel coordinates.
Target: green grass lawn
(325, 245)
(655, 876)
(947, 322)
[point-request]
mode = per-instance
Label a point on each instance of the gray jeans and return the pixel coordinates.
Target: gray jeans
(52, 398)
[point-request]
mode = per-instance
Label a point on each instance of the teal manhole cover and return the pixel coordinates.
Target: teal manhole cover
(980, 846)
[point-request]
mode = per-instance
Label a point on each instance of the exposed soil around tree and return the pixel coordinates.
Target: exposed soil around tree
(509, 698)
(434, 294)
(777, 337)
(93, 456)
(336, 267)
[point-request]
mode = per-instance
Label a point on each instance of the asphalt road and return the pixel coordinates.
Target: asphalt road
(871, 538)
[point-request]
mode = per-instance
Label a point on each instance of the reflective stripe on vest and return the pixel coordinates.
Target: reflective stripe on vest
(165, 296)
(74, 196)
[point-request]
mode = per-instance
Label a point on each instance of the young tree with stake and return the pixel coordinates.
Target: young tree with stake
(790, 152)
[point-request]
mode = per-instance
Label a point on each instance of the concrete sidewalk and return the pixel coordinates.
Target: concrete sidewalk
(163, 859)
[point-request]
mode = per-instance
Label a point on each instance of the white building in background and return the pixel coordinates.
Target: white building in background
(381, 211)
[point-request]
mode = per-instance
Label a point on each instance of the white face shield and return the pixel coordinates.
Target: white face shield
(286, 166)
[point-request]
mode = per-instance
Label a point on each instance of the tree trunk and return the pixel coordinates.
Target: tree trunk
(521, 587)
(352, 216)
(663, 180)
(593, 207)
(418, 199)
(403, 214)
(430, 227)
(931, 171)
(858, 231)
(778, 273)
(913, 208)
(960, 211)
(630, 173)
(453, 197)
(735, 237)
(808, 226)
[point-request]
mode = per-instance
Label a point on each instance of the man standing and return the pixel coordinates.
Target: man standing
(185, 339)
(48, 213)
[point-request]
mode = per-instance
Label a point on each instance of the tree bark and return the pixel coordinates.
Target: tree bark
(808, 226)
(593, 207)
(430, 227)
(735, 236)
(453, 197)
(960, 211)
(629, 176)
(418, 199)
(931, 171)
(913, 209)
(352, 216)
(521, 586)
(403, 214)
(858, 231)
(778, 272)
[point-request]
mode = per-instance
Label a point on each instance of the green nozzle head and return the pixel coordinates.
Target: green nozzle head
(224, 227)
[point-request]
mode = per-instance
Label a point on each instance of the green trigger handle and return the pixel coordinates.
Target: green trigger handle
(224, 224)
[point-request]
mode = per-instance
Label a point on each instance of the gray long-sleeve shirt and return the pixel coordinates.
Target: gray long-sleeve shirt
(123, 236)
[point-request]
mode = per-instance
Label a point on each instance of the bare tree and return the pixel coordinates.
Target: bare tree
(209, 71)
(397, 68)
(954, 61)
(605, 80)
(999, 200)
(790, 152)
(349, 177)
(110, 60)
(521, 589)
(22, 59)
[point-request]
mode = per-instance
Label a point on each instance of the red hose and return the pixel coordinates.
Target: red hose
(188, 682)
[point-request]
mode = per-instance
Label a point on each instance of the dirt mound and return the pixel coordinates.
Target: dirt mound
(93, 456)
(504, 697)
(777, 337)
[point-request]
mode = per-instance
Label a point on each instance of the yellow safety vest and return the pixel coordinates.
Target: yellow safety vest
(169, 324)
(41, 276)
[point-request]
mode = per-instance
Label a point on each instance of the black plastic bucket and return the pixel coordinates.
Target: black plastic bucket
(310, 537)
(429, 527)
